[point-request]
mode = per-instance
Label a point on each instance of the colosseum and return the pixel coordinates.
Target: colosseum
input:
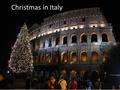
(71, 42)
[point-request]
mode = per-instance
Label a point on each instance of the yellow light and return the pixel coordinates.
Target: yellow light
(81, 26)
(95, 43)
(65, 60)
(49, 32)
(57, 30)
(62, 29)
(54, 31)
(66, 28)
(93, 25)
(49, 61)
(75, 27)
(102, 25)
(44, 33)
(84, 59)
(39, 35)
(94, 58)
(74, 59)
(71, 27)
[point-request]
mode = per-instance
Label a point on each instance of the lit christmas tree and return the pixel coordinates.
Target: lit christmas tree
(21, 59)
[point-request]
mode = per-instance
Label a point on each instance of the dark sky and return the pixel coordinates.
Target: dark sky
(15, 19)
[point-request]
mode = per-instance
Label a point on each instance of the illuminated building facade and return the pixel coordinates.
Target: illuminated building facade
(73, 42)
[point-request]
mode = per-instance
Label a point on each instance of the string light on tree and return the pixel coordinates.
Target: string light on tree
(21, 59)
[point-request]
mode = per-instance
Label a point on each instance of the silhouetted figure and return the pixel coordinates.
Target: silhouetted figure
(73, 84)
(98, 84)
(52, 84)
(89, 85)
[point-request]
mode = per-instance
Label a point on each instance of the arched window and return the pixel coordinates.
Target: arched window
(65, 40)
(104, 38)
(83, 56)
(48, 58)
(74, 39)
(73, 58)
(94, 56)
(43, 58)
(83, 38)
(49, 42)
(94, 38)
(64, 57)
(64, 22)
(104, 56)
(56, 57)
(57, 41)
(83, 19)
(43, 44)
(40, 58)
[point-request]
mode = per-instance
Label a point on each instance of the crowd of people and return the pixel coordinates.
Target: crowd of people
(62, 83)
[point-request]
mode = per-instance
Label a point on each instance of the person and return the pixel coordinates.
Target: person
(98, 84)
(63, 83)
(89, 85)
(69, 84)
(74, 84)
(52, 82)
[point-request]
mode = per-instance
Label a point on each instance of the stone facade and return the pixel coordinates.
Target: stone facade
(74, 40)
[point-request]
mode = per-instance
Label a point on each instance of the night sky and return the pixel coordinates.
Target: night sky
(15, 19)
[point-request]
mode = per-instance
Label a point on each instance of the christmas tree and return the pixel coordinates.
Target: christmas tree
(21, 59)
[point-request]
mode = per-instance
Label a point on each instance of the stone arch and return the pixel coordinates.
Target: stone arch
(56, 57)
(74, 38)
(64, 57)
(64, 40)
(57, 41)
(104, 37)
(49, 42)
(83, 56)
(94, 56)
(48, 58)
(94, 37)
(43, 58)
(83, 38)
(73, 57)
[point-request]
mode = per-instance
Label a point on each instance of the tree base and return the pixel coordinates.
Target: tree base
(21, 81)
